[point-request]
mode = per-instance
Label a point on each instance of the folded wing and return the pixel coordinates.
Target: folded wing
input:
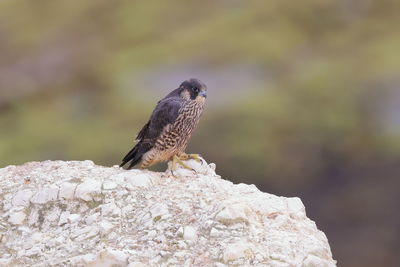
(164, 114)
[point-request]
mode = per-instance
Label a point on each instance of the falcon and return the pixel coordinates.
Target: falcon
(167, 133)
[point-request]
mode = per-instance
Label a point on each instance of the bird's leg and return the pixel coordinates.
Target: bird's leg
(196, 157)
(176, 159)
(173, 168)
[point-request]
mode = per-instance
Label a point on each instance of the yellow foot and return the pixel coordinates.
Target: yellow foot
(180, 159)
(196, 157)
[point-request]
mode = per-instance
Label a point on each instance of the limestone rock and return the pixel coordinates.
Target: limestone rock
(190, 234)
(17, 218)
(57, 213)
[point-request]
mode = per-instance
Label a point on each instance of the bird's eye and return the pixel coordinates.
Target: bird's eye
(195, 89)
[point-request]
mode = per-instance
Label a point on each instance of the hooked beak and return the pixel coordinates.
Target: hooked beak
(203, 94)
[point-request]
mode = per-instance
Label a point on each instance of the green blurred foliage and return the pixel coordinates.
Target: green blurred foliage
(304, 96)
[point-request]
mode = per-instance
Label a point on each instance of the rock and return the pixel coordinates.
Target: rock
(214, 233)
(109, 185)
(134, 178)
(106, 227)
(17, 218)
(73, 218)
(22, 198)
(46, 194)
(159, 211)
(137, 264)
(234, 213)
(296, 207)
(79, 214)
(5, 262)
(63, 218)
(88, 189)
(238, 250)
(92, 218)
(67, 190)
(190, 234)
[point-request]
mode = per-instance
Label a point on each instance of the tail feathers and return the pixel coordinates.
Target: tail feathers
(135, 155)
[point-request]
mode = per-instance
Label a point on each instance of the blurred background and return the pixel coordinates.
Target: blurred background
(304, 97)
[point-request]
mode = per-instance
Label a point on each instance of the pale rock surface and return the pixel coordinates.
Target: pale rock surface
(57, 213)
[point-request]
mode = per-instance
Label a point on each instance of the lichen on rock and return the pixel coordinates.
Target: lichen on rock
(57, 213)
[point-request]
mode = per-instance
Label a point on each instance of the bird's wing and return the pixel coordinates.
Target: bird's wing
(165, 113)
(143, 132)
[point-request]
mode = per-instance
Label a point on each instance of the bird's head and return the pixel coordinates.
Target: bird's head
(193, 89)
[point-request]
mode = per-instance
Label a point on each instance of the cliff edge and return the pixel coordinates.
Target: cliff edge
(58, 213)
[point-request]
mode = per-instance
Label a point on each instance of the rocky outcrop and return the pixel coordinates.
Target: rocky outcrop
(57, 213)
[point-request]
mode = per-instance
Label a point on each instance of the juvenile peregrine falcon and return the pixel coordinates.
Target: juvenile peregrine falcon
(165, 136)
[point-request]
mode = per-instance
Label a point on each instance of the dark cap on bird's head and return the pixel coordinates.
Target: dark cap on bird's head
(193, 88)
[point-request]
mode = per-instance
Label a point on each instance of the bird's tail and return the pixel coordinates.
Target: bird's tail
(135, 155)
